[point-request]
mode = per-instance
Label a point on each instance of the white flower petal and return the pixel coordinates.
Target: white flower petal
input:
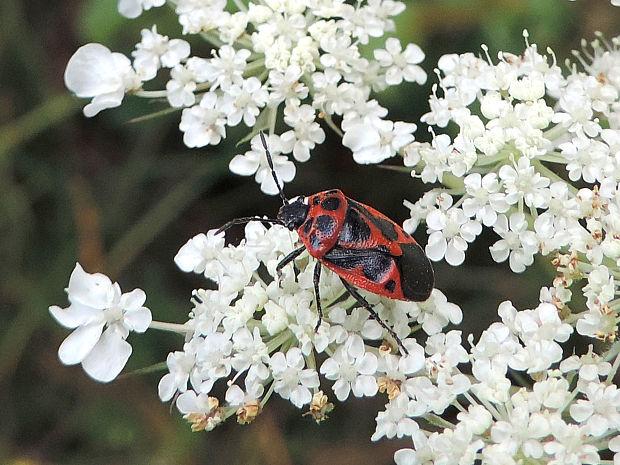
(166, 387)
(75, 315)
(108, 357)
(79, 343)
(94, 290)
(133, 300)
(138, 320)
(243, 165)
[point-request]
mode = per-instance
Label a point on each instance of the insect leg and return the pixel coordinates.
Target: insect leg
(317, 295)
(364, 303)
(288, 259)
(247, 219)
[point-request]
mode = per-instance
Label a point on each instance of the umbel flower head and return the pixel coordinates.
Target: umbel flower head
(256, 333)
(300, 61)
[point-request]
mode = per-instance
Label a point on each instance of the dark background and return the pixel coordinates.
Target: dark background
(122, 198)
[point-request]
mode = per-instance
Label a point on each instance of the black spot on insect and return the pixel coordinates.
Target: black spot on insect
(325, 224)
(354, 228)
(316, 200)
(315, 242)
(330, 204)
(386, 227)
(390, 285)
(331, 192)
(308, 225)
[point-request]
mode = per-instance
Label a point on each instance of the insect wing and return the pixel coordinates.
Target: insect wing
(377, 255)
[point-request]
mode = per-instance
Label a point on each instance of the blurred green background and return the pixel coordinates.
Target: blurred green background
(122, 198)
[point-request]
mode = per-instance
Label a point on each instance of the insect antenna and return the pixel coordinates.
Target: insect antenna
(273, 171)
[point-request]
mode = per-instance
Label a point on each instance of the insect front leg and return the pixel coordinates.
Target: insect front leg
(317, 295)
(364, 303)
(247, 219)
(288, 259)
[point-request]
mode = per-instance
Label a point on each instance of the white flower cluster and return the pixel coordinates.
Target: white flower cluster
(526, 134)
(513, 165)
(256, 333)
(301, 58)
(543, 423)
(532, 119)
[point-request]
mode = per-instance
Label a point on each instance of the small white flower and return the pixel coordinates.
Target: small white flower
(436, 312)
(542, 323)
(243, 100)
(522, 182)
(227, 66)
(517, 243)
(401, 65)
(448, 347)
(199, 16)
(255, 162)
(352, 368)
(485, 200)
(200, 254)
(523, 431)
(435, 157)
(102, 318)
(600, 412)
(200, 408)
(552, 393)
(236, 397)
(569, 444)
(155, 51)
(182, 367)
(306, 132)
(331, 95)
(394, 421)
(95, 71)
(205, 123)
(183, 82)
(133, 8)
(450, 231)
(290, 379)
(590, 365)
(286, 87)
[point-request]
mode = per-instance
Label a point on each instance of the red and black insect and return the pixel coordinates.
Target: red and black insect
(361, 245)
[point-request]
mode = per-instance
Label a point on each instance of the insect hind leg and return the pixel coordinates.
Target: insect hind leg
(317, 295)
(364, 303)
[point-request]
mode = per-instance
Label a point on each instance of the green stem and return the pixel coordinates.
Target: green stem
(212, 38)
(436, 420)
(332, 125)
(172, 327)
(151, 93)
(542, 169)
(614, 367)
(240, 5)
